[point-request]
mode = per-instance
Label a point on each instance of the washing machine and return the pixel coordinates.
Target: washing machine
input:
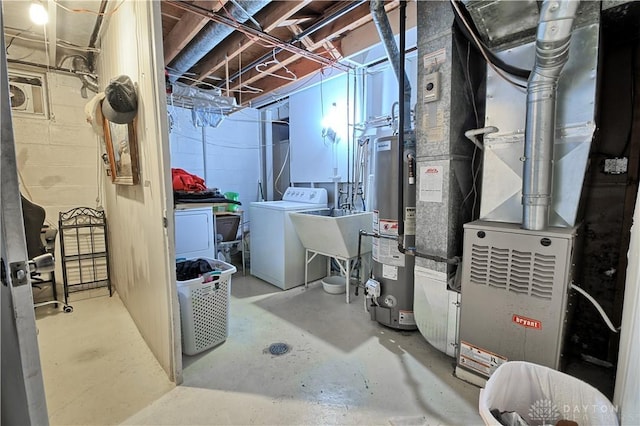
(277, 255)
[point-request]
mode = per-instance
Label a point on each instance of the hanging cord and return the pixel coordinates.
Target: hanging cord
(91, 12)
(349, 150)
(284, 163)
(598, 307)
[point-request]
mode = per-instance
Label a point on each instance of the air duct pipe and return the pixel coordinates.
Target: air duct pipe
(381, 21)
(80, 63)
(212, 34)
(552, 53)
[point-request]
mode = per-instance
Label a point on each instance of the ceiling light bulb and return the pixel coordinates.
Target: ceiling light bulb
(38, 14)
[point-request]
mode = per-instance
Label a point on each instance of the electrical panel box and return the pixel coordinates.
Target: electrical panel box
(515, 295)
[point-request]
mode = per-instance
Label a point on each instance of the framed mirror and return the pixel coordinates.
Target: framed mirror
(122, 149)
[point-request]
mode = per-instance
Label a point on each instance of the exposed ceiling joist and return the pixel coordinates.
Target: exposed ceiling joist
(310, 44)
(269, 18)
(264, 37)
(284, 60)
(303, 35)
(358, 17)
(299, 67)
(187, 28)
(336, 13)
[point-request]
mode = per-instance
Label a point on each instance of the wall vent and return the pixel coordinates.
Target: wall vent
(521, 272)
(27, 93)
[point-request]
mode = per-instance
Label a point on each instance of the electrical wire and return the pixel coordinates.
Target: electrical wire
(482, 49)
(598, 307)
(13, 38)
(470, 86)
(88, 11)
(277, 98)
(23, 57)
(472, 29)
(252, 90)
(284, 163)
(59, 42)
(254, 39)
(475, 170)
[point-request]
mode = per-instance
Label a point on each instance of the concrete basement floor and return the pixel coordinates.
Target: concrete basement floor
(342, 368)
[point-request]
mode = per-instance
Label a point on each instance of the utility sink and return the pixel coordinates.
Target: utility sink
(333, 232)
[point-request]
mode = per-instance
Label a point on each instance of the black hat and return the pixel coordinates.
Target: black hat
(120, 103)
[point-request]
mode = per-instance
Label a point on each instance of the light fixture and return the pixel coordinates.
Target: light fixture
(333, 124)
(38, 14)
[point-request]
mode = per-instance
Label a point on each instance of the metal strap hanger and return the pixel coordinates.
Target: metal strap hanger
(262, 68)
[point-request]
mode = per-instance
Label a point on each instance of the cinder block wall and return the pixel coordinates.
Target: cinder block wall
(58, 156)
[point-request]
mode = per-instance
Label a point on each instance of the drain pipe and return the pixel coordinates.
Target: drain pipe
(212, 34)
(552, 53)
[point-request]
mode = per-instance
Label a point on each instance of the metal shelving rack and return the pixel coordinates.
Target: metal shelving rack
(238, 239)
(84, 250)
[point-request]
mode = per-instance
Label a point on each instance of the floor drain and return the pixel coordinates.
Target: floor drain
(278, 349)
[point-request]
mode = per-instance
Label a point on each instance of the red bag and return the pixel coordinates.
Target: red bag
(185, 181)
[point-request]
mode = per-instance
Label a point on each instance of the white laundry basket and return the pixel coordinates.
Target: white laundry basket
(204, 308)
(542, 396)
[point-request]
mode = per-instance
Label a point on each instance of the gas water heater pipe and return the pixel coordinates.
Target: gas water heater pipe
(552, 53)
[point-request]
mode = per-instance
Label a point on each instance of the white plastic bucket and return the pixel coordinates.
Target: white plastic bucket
(334, 284)
(541, 396)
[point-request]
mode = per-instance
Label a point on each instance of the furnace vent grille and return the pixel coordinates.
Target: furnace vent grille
(517, 271)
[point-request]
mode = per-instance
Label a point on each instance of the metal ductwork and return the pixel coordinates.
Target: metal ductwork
(381, 22)
(552, 53)
(89, 81)
(212, 34)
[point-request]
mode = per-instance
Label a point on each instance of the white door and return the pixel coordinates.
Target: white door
(23, 398)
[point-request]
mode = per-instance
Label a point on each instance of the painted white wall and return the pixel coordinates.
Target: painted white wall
(233, 156)
(58, 157)
(232, 162)
(382, 87)
(141, 249)
(185, 141)
(627, 390)
(313, 157)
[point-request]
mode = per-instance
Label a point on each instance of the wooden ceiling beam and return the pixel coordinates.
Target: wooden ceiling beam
(358, 17)
(269, 18)
(284, 59)
(329, 39)
(310, 44)
(301, 68)
(170, 11)
(187, 28)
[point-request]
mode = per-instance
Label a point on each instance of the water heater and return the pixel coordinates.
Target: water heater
(392, 269)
